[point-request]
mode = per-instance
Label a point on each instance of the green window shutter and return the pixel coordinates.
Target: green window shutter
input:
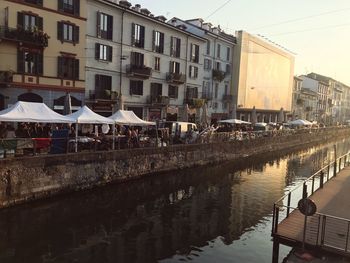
(39, 22)
(20, 20)
(98, 24)
(110, 53)
(132, 34)
(154, 41)
(76, 5)
(97, 51)
(60, 67)
(110, 27)
(20, 61)
(39, 61)
(60, 5)
(75, 34)
(60, 31)
(76, 69)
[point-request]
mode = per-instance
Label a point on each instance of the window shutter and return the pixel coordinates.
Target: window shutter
(110, 27)
(197, 53)
(177, 67)
(154, 41)
(110, 53)
(161, 43)
(98, 24)
(60, 67)
(171, 46)
(39, 22)
(20, 19)
(176, 91)
(195, 92)
(132, 34)
(39, 62)
(142, 39)
(60, 31)
(60, 5)
(75, 34)
(97, 51)
(76, 4)
(178, 47)
(97, 83)
(20, 61)
(76, 69)
(190, 71)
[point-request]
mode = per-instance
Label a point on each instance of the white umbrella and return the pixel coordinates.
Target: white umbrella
(234, 121)
(300, 122)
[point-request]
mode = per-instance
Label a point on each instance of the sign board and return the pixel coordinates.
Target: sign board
(307, 207)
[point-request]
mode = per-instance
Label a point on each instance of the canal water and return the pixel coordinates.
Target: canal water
(212, 214)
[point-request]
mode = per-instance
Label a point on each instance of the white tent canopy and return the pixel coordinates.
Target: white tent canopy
(87, 116)
(125, 117)
(234, 121)
(32, 112)
(300, 122)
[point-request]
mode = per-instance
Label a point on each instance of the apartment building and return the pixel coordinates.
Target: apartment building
(42, 47)
(136, 61)
(321, 88)
(218, 52)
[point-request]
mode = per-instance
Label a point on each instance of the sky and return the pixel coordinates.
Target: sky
(316, 31)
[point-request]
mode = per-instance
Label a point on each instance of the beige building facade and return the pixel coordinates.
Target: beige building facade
(263, 78)
(42, 47)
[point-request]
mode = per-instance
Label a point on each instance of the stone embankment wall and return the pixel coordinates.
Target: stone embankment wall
(31, 178)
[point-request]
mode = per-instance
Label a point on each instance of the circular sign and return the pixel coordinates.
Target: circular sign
(307, 207)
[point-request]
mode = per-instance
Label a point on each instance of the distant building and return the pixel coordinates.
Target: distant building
(338, 98)
(218, 53)
(138, 62)
(42, 47)
(263, 78)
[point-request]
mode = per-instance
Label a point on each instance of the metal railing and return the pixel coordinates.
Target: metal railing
(321, 230)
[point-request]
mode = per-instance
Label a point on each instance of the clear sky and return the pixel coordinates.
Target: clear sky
(318, 31)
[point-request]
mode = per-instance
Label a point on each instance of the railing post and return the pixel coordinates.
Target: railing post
(339, 164)
(347, 237)
(335, 169)
(313, 185)
(323, 229)
(288, 203)
(304, 190)
(328, 171)
(321, 179)
(276, 219)
(335, 161)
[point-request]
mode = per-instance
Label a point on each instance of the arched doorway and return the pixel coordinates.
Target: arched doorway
(2, 102)
(30, 97)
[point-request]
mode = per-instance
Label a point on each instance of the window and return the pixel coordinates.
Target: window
(103, 86)
(137, 59)
(68, 67)
(158, 42)
(30, 62)
(192, 92)
(136, 87)
(67, 32)
(194, 53)
(226, 90)
(104, 26)
(156, 90)
(193, 72)
(216, 90)
(228, 69)
(69, 6)
(174, 67)
(206, 90)
(208, 47)
(103, 52)
(218, 51)
(207, 64)
(175, 47)
(157, 63)
(218, 66)
(228, 53)
(173, 92)
(138, 36)
(29, 22)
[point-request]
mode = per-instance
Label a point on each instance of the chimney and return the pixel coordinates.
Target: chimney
(173, 22)
(145, 11)
(161, 18)
(137, 7)
(125, 3)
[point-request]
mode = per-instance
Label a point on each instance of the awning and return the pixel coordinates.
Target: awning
(125, 117)
(87, 116)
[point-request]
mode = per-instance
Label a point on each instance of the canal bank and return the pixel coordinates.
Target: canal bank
(31, 178)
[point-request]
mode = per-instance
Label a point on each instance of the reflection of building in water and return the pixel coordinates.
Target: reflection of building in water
(253, 197)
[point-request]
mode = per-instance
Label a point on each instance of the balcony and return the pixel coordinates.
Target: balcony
(32, 37)
(175, 78)
(136, 71)
(6, 76)
(218, 75)
(227, 98)
(159, 100)
(194, 102)
(103, 95)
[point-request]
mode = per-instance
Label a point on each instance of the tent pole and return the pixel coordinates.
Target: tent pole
(76, 137)
(113, 146)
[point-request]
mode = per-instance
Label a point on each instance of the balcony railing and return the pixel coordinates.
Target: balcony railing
(159, 100)
(137, 71)
(218, 75)
(175, 78)
(30, 36)
(227, 97)
(103, 95)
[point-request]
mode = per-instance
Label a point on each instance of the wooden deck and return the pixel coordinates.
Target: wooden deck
(322, 231)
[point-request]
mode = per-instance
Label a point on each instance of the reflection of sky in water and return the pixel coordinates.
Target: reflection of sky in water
(209, 214)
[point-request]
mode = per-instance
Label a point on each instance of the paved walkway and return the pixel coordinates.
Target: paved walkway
(332, 200)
